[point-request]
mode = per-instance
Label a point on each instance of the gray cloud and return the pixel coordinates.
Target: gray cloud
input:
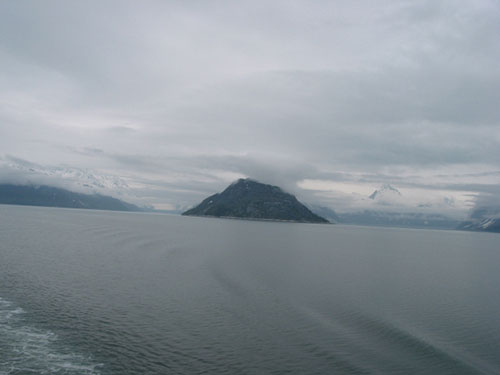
(179, 98)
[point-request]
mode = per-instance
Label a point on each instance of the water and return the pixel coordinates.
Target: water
(89, 292)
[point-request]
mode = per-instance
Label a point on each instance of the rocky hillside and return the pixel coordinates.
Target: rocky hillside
(250, 199)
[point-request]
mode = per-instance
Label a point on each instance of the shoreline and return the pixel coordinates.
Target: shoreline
(259, 219)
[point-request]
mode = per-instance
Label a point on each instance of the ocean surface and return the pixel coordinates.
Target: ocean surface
(95, 292)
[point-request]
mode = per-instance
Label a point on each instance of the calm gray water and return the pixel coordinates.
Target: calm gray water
(89, 292)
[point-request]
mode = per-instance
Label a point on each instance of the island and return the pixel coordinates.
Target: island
(250, 199)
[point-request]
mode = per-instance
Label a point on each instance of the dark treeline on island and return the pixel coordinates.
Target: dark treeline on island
(48, 196)
(250, 199)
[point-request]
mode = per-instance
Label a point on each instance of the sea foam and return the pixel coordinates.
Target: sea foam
(25, 348)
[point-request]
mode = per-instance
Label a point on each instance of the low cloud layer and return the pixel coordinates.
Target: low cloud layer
(330, 100)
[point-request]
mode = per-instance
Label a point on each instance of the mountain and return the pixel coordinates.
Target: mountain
(398, 219)
(484, 219)
(387, 206)
(32, 195)
(484, 225)
(250, 199)
(385, 192)
(81, 179)
(325, 212)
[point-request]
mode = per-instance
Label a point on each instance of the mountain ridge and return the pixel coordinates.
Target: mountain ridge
(50, 196)
(384, 190)
(483, 219)
(250, 199)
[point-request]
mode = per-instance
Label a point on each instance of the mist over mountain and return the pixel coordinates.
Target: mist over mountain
(23, 172)
(385, 206)
(250, 199)
(325, 212)
(329, 100)
(169, 197)
(398, 219)
(386, 191)
(388, 206)
(484, 219)
(353, 113)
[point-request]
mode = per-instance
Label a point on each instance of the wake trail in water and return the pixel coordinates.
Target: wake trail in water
(376, 338)
(25, 349)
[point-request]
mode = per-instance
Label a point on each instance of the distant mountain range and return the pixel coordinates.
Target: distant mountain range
(484, 225)
(391, 209)
(81, 179)
(484, 219)
(48, 196)
(398, 219)
(250, 199)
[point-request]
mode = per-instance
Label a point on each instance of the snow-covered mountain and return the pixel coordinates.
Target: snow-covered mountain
(486, 219)
(79, 180)
(48, 196)
(399, 219)
(386, 192)
(388, 206)
(387, 196)
(83, 180)
(390, 198)
(486, 225)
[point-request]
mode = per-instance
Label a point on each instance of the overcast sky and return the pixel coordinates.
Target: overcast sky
(173, 100)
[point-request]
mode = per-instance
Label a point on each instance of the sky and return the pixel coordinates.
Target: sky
(165, 102)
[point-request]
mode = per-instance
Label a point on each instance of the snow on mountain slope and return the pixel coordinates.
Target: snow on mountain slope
(18, 171)
(483, 219)
(386, 193)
